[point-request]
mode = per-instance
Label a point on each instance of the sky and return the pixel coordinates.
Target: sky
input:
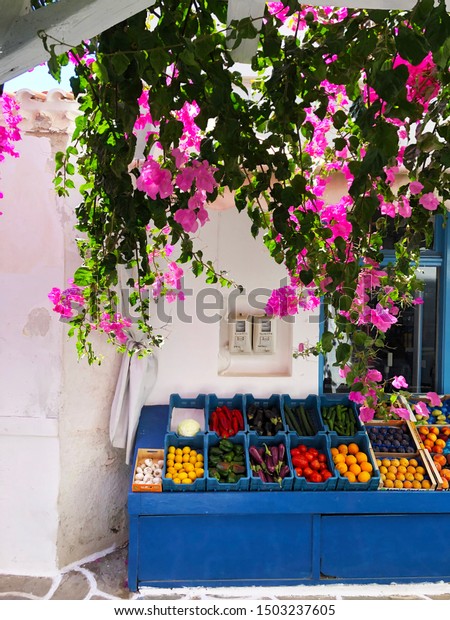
(40, 80)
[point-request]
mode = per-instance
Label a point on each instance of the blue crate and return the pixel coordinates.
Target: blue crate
(339, 399)
(196, 443)
(361, 439)
(323, 444)
(199, 402)
(268, 403)
(256, 484)
(236, 402)
(212, 484)
(311, 404)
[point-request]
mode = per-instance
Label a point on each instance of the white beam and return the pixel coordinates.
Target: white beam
(70, 21)
(239, 9)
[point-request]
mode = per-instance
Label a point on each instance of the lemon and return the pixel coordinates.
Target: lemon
(178, 451)
(185, 458)
(199, 472)
(182, 475)
(178, 466)
(177, 481)
(171, 470)
(169, 475)
(186, 450)
(186, 481)
(178, 458)
(188, 467)
(171, 450)
(192, 459)
(192, 475)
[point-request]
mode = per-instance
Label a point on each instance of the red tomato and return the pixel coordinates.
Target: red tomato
(302, 448)
(314, 452)
(307, 472)
(316, 477)
(315, 464)
(296, 461)
(322, 458)
(302, 462)
(309, 456)
(299, 471)
(323, 466)
(295, 452)
(326, 474)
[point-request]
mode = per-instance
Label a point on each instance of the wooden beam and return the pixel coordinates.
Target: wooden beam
(69, 21)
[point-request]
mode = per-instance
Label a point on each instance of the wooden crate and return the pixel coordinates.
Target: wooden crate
(156, 454)
(396, 423)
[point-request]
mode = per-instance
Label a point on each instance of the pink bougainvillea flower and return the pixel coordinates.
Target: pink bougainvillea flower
(429, 201)
(301, 347)
(366, 414)
(399, 382)
(374, 375)
(204, 176)
(357, 397)
(415, 187)
(185, 178)
(187, 219)
(401, 412)
(283, 302)
(434, 399)
(155, 180)
(343, 372)
(404, 208)
(381, 318)
(421, 409)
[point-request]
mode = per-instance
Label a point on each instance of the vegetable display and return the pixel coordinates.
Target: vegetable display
(340, 419)
(226, 462)
(403, 473)
(391, 439)
(184, 465)
(226, 422)
(264, 420)
(299, 419)
(269, 463)
(310, 463)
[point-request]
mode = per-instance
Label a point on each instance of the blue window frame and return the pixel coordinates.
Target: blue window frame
(419, 347)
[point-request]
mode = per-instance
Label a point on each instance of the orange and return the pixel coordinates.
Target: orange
(341, 468)
(192, 475)
(355, 469)
(353, 448)
(363, 476)
(388, 484)
(350, 476)
(339, 458)
(178, 458)
(343, 448)
(366, 466)
(426, 484)
(407, 484)
(377, 461)
(361, 457)
(350, 460)
(186, 457)
(186, 481)
(334, 451)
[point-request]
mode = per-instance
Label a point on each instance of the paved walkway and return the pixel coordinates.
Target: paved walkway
(104, 576)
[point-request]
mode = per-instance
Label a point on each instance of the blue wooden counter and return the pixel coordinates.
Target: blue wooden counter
(282, 538)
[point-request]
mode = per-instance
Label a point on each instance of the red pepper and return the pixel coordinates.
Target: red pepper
(213, 422)
(240, 418)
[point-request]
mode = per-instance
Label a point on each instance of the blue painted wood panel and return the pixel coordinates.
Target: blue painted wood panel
(385, 547)
(224, 548)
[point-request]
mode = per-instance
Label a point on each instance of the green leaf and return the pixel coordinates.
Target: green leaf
(410, 45)
(327, 341)
(83, 276)
(120, 62)
(100, 71)
(343, 352)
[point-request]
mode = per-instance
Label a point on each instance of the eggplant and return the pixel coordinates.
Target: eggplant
(274, 454)
(255, 455)
(281, 452)
(261, 475)
(284, 471)
(270, 465)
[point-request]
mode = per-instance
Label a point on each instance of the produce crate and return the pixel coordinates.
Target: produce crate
(143, 454)
(195, 443)
(236, 402)
(363, 443)
(422, 460)
(434, 472)
(322, 443)
(381, 442)
(212, 484)
(256, 484)
(265, 403)
(186, 408)
(311, 405)
(443, 410)
(339, 399)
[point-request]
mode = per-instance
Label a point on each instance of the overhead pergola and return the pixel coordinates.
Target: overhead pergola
(71, 21)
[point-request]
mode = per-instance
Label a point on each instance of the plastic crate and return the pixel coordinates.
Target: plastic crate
(236, 402)
(212, 484)
(256, 484)
(196, 443)
(339, 399)
(198, 403)
(311, 404)
(322, 443)
(361, 439)
(273, 401)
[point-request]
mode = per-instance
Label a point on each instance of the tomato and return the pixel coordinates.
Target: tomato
(302, 448)
(316, 477)
(299, 471)
(302, 462)
(322, 458)
(296, 461)
(315, 464)
(326, 474)
(314, 452)
(307, 472)
(295, 452)
(309, 456)
(323, 466)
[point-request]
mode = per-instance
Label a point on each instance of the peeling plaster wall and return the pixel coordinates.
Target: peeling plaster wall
(63, 487)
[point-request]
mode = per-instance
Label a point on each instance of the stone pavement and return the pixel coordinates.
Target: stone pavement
(104, 576)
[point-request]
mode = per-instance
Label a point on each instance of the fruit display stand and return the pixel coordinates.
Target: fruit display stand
(270, 538)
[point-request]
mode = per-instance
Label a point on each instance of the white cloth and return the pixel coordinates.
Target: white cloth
(137, 378)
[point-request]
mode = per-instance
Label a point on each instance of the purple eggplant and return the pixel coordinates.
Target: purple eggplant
(262, 475)
(270, 465)
(255, 455)
(284, 471)
(274, 455)
(281, 452)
